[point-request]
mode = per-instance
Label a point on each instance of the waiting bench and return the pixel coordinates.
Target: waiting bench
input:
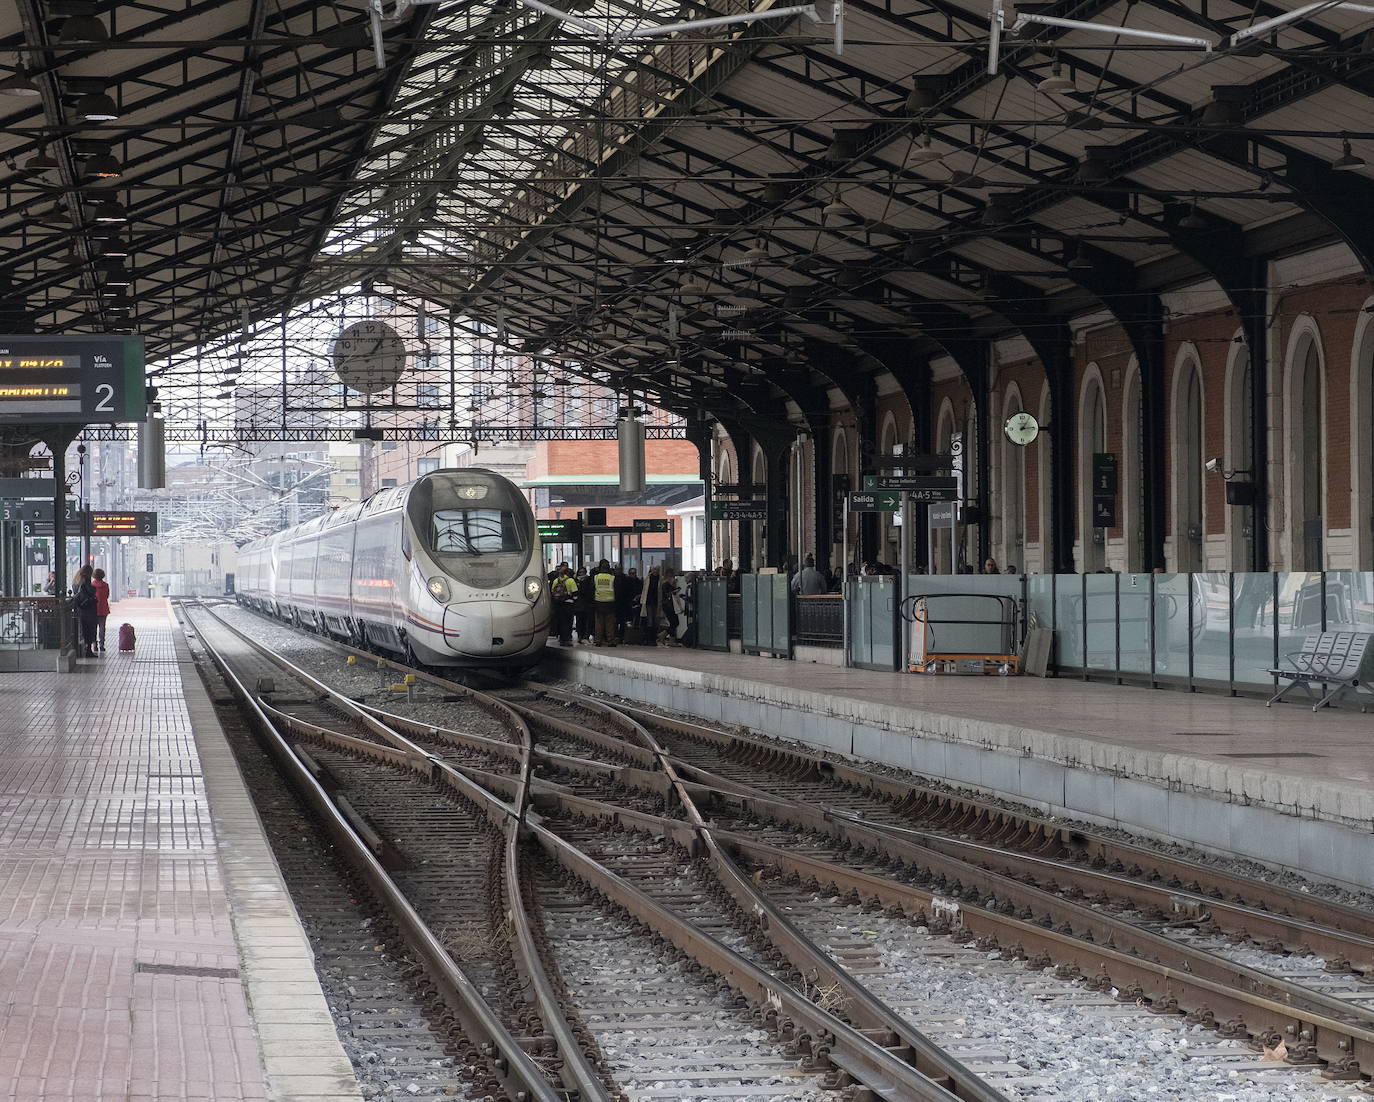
(1344, 659)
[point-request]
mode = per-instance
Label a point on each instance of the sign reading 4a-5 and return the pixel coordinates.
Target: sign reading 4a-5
(71, 380)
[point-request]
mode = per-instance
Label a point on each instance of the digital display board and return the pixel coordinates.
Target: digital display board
(560, 531)
(124, 524)
(71, 380)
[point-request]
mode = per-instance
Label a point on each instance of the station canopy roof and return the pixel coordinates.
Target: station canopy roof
(733, 219)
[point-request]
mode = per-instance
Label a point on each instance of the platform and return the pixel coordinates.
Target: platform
(148, 947)
(1282, 785)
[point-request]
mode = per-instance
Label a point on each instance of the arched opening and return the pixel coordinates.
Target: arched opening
(1240, 453)
(1362, 441)
(1188, 466)
(723, 535)
(1043, 444)
(756, 543)
(941, 543)
(839, 467)
(1307, 461)
(1092, 438)
(889, 530)
(1013, 541)
(1132, 473)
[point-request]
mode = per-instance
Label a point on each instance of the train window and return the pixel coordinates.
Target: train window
(477, 526)
(474, 531)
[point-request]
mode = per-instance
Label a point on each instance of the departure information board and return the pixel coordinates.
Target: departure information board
(123, 524)
(71, 380)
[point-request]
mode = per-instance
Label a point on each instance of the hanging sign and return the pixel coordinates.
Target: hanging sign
(71, 380)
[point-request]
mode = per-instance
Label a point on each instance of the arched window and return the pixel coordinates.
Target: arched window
(1362, 441)
(840, 465)
(1092, 438)
(1043, 444)
(1188, 467)
(760, 476)
(1013, 542)
(1240, 453)
(889, 533)
(1306, 465)
(1131, 475)
(941, 545)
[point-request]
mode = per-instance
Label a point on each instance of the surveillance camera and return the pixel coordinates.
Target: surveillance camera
(1213, 464)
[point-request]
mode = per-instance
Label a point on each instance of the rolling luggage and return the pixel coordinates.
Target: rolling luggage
(126, 636)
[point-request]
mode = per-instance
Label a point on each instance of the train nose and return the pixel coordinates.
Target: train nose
(494, 628)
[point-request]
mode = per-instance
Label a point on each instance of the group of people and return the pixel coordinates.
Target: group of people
(607, 606)
(91, 599)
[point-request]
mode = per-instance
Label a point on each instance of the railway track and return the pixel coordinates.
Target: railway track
(439, 835)
(757, 843)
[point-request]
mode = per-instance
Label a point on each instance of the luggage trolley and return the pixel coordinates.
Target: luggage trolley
(962, 645)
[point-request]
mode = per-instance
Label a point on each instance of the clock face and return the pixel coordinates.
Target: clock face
(369, 357)
(1022, 428)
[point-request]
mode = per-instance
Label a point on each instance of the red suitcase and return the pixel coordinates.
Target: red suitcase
(126, 636)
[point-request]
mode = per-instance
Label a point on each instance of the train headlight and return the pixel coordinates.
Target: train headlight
(438, 589)
(533, 587)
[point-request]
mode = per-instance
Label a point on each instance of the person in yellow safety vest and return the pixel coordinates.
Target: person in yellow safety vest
(603, 603)
(563, 592)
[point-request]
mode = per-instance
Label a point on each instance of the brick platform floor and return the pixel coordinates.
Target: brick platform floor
(119, 969)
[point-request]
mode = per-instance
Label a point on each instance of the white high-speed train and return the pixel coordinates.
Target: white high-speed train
(446, 569)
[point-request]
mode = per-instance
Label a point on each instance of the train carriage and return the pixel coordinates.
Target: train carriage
(446, 569)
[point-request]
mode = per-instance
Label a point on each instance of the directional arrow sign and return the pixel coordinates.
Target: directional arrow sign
(879, 501)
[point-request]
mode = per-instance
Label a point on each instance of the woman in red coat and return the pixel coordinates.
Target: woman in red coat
(102, 607)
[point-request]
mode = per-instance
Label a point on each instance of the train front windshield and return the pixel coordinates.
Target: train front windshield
(475, 526)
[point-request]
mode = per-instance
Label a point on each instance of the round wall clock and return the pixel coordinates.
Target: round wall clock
(1022, 428)
(369, 356)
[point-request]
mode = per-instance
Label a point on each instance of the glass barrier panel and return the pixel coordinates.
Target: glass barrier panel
(1172, 641)
(1133, 604)
(856, 608)
(1040, 601)
(1299, 609)
(882, 593)
(1211, 597)
(1252, 630)
(1068, 621)
(749, 611)
(1099, 640)
(1349, 600)
(782, 616)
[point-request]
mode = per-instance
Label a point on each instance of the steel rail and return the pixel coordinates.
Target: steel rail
(960, 813)
(920, 1076)
(520, 1076)
(513, 1060)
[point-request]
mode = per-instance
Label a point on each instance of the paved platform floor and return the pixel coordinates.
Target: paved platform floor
(1146, 758)
(141, 913)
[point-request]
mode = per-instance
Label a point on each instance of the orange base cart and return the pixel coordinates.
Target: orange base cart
(971, 646)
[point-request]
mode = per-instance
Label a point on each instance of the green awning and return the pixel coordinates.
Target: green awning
(607, 480)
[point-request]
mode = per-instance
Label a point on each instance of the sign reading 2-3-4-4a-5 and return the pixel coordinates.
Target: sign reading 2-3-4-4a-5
(78, 380)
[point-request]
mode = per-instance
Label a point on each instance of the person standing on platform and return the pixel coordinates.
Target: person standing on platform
(85, 601)
(50, 586)
(668, 595)
(649, 610)
(603, 603)
(563, 591)
(102, 607)
(626, 594)
(584, 606)
(809, 581)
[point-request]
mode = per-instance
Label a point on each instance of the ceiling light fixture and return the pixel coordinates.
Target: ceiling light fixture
(924, 154)
(1347, 161)
(96, 107)
(1193, 220)
(21, 85)
(1226, 108)
(104, 166)
(41, 161)
(838, 213)
(109, 212)
(1080, 264)
(81, 26)
(1056, 84)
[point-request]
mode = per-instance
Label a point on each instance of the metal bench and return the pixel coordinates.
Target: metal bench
(1340, 658)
